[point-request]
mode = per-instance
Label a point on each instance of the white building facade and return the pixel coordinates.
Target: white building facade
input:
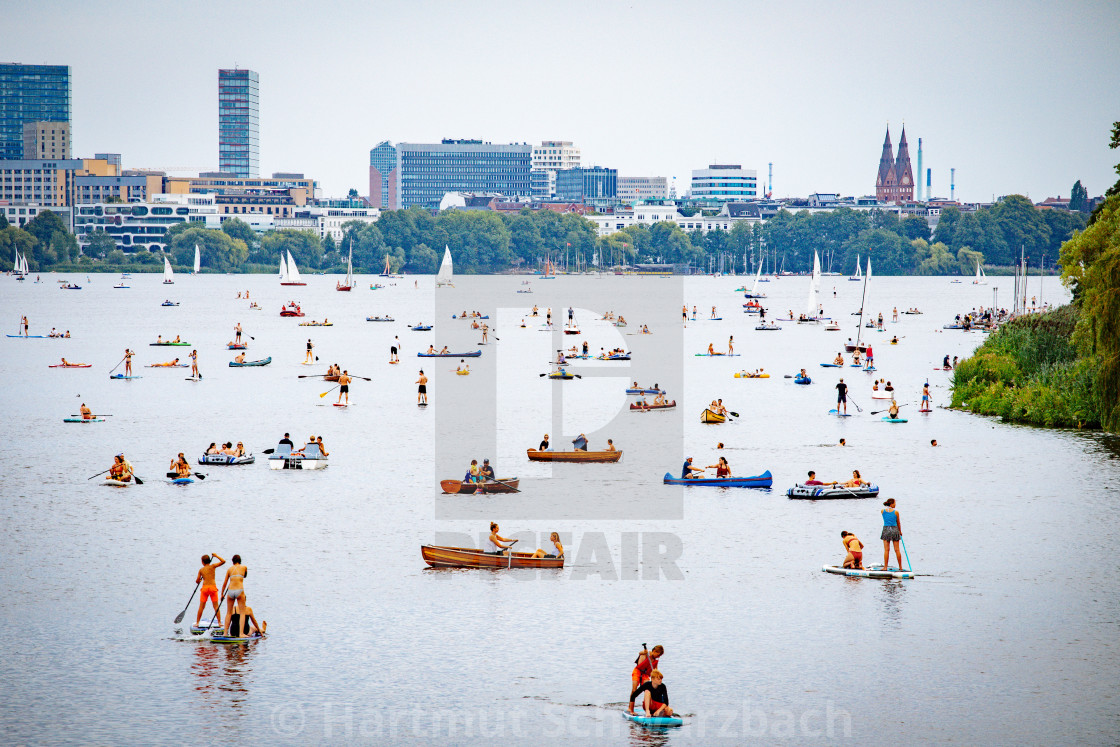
(140, 226)
(647, 215)
(548, 158)
(633, 189)
(724, 183)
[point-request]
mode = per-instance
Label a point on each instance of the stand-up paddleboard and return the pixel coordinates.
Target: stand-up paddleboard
(653, 720)
(212, 625)
(182, 481)
(30, 337)
(715, 319)
(122, 376)
(875, 571)
(421, 404)
(832, 365)
(716, 355)
(116, 484)
(895, 420)
(841, 414)
(83, 420)
(191, 378)
(340, 404)
(925, 409)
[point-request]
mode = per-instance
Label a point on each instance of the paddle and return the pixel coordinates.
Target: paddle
(99, 473)
(200, 476)
(509, 555)
(137, 479)
(179, 617)
(324, 394)
(515, 490)
(876, 412)
(116, 367)
(269, 451)
(98, 415)
(732, 412)
(858, 408)
(909, 565)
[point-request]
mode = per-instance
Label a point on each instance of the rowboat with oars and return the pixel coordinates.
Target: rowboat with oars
(468, 557)
(504, 485)
(573, 456)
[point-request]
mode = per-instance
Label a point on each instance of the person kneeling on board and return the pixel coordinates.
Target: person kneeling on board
(655, 697)
(854, 548)
(243, 624)
(893, 411)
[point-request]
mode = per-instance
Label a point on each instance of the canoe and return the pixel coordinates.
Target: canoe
(225, 459)
(653, 720)
(264, 362)
(827, 492)
(573, 456)
(83, 420)
(29, 337)
(764, 480)
(122, 376)
(802, 380)
(745, 375)
(894, 420)
(642, 391)
(117, 483)
(875, 571)
(467, 557)
(380, 319)
(71, 365)
(169, 344)
(666, 406)
(504, 485)
(475, 354)
(712, 417)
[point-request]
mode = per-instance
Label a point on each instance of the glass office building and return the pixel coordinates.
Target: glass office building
(239, 123)
(592, 186)
(30, 93)
(383, 175)
(428, 171)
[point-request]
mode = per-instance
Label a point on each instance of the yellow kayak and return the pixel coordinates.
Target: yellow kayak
(745, 375)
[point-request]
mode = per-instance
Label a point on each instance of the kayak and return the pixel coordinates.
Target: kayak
(380, 319)
(421, 328)
(71, 365)
(462, 373)
(653, 720)
(802, 380)
(225, 459)
(623, 357)
(263, 362)
(475, 354)
(117, 484)
(764, 480)
(122, 376)
(767, 327)
(826, 492)
(169, 344)
(83, 420)
(875, 571)
(832, 365)
(182, 481)
(168, 303)
(745, 375)
(887, 419)
(564, 375)
(709, 416)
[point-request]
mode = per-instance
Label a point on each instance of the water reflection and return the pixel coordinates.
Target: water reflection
(648, 736)
(891, 598)
(221, 672)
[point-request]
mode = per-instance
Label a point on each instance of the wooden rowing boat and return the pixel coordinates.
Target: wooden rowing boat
(709, 416)
(666, 406)
(573, 456)
(505, 485)
(468, 557)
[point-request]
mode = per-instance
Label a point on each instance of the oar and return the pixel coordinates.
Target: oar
(324, 394)
(732, 412)
(515, 490)
(179, 617)
(858, 408)
(269, 451)
(200, 476)
(137, 479)
(876, 412)
(310, 376)
(98, 415)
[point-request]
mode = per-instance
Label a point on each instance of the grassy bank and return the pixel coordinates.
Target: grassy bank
(1029, 372)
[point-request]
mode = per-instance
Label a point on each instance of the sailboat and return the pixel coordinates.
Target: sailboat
(812, 315)
(289, 273)
(857, 277)
(549, 271)
(385, 272)
(168, 274)
(349, 271)
(197, 260)
(981, 279)
(754, 288)
(444, 276)
(862, 346)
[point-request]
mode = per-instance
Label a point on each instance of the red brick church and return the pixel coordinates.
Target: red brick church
(895, 182)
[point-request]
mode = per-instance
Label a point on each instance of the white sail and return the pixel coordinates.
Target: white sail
(168, 274)
(283, 269)
(863, 306)
(23, 264)
(350, 267)
(445, 269)
(858, 274)
(197, 259)
(385, 272)
(979, 275)
(814, 286)
(757, 277)
(293, 271)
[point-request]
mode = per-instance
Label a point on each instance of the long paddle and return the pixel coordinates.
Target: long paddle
(179, 617)
(324, 394)
(99, 473)
(876, 412)
(858, 408)
(116, 367)
(909, 565)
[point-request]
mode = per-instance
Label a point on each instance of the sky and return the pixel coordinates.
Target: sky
(1018, 97)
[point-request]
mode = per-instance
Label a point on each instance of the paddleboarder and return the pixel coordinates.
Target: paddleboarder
(422, 392)
(730, 342)
(310, 347)
(180, 466)
(87, 414)
(209, 587)
(842, 397)
(854, 548)
(128, 362)
(233, 588)
(644, 665)
(393, 350)
(23, 321)
(344, 386)
(194, 365)
(892, 532)
(237, 333)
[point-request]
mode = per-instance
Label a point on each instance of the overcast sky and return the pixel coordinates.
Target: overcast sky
(1017, 96)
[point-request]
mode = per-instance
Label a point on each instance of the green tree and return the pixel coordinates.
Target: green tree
(305, 247)
(890, 253)
(526, 243)
(935, 259)
(1078, 197)
(967, 259)
(329, 247)
(914, 227)
(236, 228)
(423, 260)
(99, 243)
(947, 225)
(1114, 143)
(14, 239)
(217, 250)
(352, 194)
(3, 221)
(44, 225)
(1022, 228)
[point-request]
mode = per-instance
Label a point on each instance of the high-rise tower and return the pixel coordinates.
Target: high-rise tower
(239, 122)
(29, 94)
(383, 176)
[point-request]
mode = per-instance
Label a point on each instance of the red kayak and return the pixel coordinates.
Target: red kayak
(71, 365)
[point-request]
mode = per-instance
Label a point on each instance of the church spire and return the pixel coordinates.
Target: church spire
(885, 181)
(904, 176)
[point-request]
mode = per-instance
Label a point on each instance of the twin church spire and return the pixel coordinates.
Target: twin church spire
(895, 181)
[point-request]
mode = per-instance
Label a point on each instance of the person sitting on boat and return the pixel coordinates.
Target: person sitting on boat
(893, 411)
(803, 374)
(240, 450)
(855, 357)
(889, 389)
(722, 468)
(496, 540)
(67, 335)
(431, 350)
(645, 329)
(159, 341)
(643, 404)
(243, 624)
(659, 399)
(319, 443)
(621, 320)
(560, 360)
(444, 351)
(181, 466)
(557, 553)
(486, 472)
(176, 341)
(286, 440)
(213, 449)
(474, 325)
(610, 445)
(544, 444)
(719, 408)
(644, 665)
(945, 362)
(240, 358)
(856, 482)
(688, 472)
(854, 558)
(472, 472)
(814, 481)
(838, 360)
(955, 359)
(580, 442)
(464, 367)
(894, 340)
(875, 386)
(120, 470)
(302, 449)
(656, 697)
(522, 324)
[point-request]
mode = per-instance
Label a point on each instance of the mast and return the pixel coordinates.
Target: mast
(863, 305)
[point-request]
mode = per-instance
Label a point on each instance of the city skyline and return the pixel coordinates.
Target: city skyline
(1010, 98)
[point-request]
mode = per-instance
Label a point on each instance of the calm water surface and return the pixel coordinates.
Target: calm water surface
(1010, 639)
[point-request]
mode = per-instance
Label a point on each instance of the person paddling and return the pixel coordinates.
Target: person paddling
(344, 386)
(925, 396)
(644, 665)
(422, 392)
(496, 540)
(181, 466)
(128, 362)
(892, 533)
(121, 471)
(194, 365)
(233, 588)
(209, 587)
(842, 397)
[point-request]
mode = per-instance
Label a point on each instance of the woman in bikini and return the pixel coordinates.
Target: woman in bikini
(233, 588)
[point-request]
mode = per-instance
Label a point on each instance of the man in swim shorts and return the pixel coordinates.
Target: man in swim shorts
(209, 587)
(344, 386)
(842, 396)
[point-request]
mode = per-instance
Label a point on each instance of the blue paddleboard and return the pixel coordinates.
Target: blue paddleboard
(841, 414)
(653, 720)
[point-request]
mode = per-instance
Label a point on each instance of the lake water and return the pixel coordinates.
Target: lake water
(1010, 639)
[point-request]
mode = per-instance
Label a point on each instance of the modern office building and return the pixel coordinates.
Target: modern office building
(550, 157)
(428, 171)
(239, 122)
(141, 226)
(51, 183)
(46, 140)
(279, 195)
(721, 183)
(130, 186)
(30, 93)
(596, 186)
(642, 188)
(383, 176)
